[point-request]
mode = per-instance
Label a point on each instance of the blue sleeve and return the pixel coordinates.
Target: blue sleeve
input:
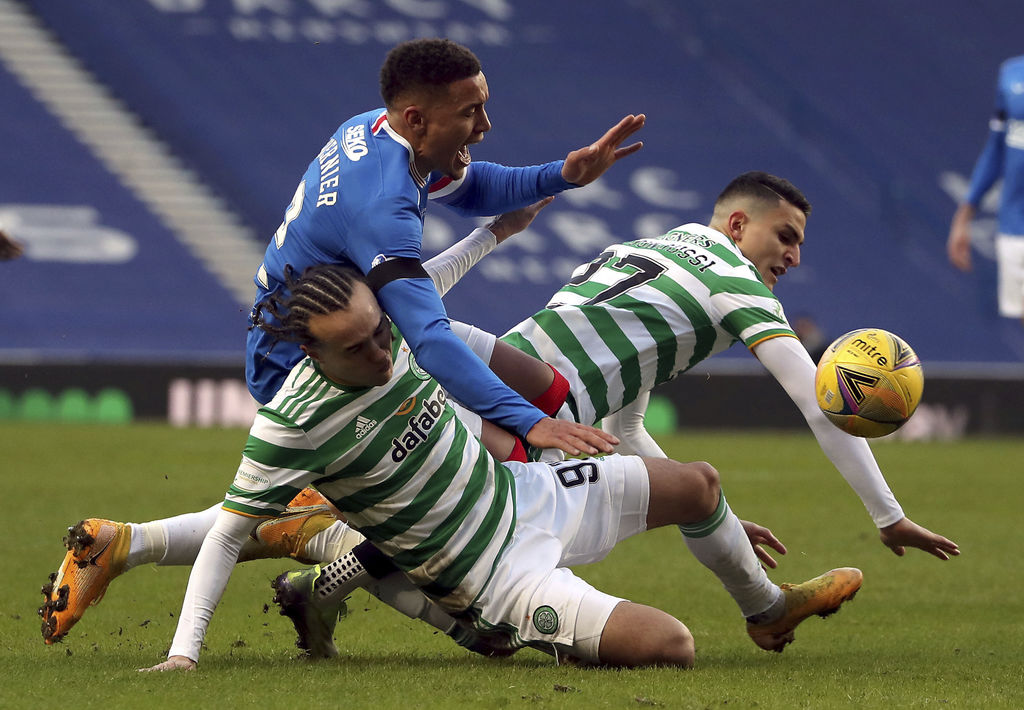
(388, 227)
(989, 166)
(490, 189)
(415, 307)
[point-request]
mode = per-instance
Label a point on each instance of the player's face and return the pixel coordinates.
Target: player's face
(453, 120)
(770, 237)
(353, 346)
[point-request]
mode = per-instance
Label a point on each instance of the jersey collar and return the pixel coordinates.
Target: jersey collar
(382, 124)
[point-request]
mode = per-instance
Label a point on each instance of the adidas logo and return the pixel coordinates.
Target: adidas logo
(364, 426)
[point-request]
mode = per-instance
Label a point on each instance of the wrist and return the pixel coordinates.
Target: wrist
(498, 228)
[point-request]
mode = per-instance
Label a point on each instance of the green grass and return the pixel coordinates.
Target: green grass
(921, 633)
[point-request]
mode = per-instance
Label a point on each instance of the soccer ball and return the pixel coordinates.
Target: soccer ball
(869, 382)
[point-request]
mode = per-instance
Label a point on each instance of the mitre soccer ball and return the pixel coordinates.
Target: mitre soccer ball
(869, 382)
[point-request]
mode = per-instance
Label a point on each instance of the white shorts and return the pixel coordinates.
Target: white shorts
(568, 513)
(1010, 258)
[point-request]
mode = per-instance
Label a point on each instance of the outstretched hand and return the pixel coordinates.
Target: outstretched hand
(906, 533)
(760, 535)
(958, 245)
(9, 248)
(505, 225)
(585, 165)
(174, 663)
(572, 438)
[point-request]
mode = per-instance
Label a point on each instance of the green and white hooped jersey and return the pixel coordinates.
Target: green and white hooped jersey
(645, 311)
(397, 461)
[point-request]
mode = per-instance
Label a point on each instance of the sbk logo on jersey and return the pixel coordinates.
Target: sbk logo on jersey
(419, 426)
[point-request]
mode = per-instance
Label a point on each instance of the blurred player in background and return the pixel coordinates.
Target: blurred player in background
(1001, 158)
(362, 201)
(488, 543)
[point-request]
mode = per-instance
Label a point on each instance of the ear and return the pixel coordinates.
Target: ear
(415, 119)
(736, 221)
(310, 351)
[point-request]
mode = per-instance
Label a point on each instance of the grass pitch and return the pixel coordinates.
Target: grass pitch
(921, 633)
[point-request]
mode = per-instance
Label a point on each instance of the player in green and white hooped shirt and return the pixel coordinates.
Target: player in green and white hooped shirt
(485, 541)
(645, 311)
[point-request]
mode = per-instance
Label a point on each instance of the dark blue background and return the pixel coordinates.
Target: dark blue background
(865, 106)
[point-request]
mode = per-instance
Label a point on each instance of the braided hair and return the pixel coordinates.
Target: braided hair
(322, 289)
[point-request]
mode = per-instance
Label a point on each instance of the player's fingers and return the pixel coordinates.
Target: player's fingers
(584, 447)
(628, 150)
(572, 444)
(766, 558)
(774, 543)
(595, 438)
(622, 130)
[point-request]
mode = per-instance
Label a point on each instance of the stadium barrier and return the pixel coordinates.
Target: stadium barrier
(216, 396)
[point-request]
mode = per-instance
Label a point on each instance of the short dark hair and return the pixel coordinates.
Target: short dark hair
(766, 187)
(322, 289)
(419, 63)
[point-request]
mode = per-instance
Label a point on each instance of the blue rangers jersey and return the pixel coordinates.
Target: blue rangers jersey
(1003, 154)
(361, 202)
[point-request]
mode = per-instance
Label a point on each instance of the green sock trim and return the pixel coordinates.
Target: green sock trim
(709, 525)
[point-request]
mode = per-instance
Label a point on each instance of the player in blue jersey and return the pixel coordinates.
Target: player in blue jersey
(1002, 157)
(362, 200)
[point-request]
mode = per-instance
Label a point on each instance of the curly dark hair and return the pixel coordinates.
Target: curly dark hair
(419, 63)
(321, 289)
(768, 187)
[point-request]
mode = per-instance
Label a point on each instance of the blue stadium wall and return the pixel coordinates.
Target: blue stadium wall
(876, 110)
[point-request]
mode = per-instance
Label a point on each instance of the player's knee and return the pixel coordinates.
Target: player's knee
(681, 492)
(699, 490)
(672, 645)
(678, 648)
(706, 483)
(638, 635)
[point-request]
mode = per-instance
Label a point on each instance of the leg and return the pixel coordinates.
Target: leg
(690, 496)
(638, 635)
(100, 550)
(1010, 275)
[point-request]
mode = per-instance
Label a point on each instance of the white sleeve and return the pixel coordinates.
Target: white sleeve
(628, 425)
(787, 360)
(449, 266)
(479, 341)
(208, 579)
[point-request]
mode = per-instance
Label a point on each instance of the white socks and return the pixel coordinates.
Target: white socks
(399, 593)
(171, 541)
(720, 544)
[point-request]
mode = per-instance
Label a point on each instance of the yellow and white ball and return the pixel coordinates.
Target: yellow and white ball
(869, 382)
